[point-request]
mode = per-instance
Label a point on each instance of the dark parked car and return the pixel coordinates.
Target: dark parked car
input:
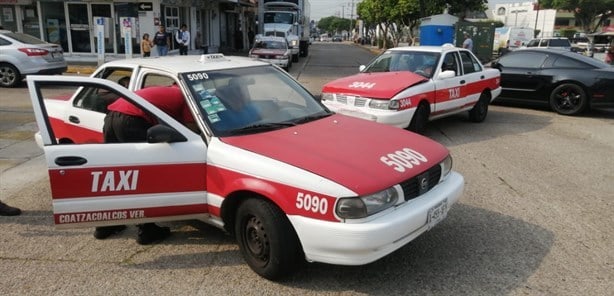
(568, 81)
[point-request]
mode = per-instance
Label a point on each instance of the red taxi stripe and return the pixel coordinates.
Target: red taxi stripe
(77, 134)
(127, 180)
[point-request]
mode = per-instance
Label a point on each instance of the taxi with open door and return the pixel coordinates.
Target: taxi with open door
(408, 86)
(295, 182)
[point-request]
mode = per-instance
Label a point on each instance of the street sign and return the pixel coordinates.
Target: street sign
(145, 6)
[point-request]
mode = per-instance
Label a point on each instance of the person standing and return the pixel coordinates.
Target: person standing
(146, 45)
(127, 123)
(609, 54)
(6, 210)
(183, 39)
(162, 41)
(468, 43)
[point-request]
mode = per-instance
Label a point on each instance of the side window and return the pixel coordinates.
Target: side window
(96, 99)
(531, 60)
(564, 62)
(4, 42)
(470, 64)
(155, 79)
(450, 62)
(543, 43)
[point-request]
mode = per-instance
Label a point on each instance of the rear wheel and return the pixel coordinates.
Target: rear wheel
(420, 119)
(266, 239)
(480, 109)
(9, 75)
(568, 99)
(295, 57)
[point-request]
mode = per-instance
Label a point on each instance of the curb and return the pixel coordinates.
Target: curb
(75, 69)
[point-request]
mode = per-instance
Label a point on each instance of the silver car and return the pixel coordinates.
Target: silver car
(22, 55)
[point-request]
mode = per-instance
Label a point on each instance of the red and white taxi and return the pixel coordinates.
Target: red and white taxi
(295, 182)
(408, 86)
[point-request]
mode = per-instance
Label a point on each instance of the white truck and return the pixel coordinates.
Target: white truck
(517, 37)
(288, 19)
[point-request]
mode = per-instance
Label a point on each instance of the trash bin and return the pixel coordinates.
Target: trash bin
(205, 49)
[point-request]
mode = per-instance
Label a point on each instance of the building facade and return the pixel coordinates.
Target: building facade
(77, 25)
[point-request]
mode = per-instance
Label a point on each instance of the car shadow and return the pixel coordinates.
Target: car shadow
(484, 252)
(501, 121)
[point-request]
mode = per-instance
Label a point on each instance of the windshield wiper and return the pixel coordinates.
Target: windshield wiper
(259, 127)
(312, 117)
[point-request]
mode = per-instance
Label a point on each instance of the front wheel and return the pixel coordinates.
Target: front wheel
(266, 239)
(568, 99)
(420, 119)
(480, 109)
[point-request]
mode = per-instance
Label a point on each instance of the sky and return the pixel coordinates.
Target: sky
(325, 8)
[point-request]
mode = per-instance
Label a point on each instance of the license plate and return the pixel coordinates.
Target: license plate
(437, 213)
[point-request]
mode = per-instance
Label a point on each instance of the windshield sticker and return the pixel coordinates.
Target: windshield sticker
(213, 118)
(212, 105)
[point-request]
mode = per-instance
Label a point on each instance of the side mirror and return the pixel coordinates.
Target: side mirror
(446, 74)
(164, 134)
(362, 67)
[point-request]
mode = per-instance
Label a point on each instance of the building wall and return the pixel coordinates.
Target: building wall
(525, 15)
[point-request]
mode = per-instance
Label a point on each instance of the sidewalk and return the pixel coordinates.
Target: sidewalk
(88, 64)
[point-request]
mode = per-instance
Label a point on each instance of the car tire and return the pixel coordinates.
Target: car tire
(9, 75)
(480, 109)
(266, 239)
(420, 119)
(295, 57)
(568, 99)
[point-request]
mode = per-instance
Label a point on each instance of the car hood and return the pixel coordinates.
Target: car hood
(381, 85)
(346, 150)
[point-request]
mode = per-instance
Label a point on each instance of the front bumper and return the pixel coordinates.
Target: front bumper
(278, 62)
(390, 117)
(363, 243)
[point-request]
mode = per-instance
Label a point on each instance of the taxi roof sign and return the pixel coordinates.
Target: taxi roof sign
(214, 57)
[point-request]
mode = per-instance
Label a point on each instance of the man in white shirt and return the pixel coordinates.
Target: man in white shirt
(183, 39)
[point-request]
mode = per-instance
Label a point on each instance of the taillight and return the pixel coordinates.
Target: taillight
(34, 51)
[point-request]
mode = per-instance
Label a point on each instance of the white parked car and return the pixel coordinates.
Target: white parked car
(22, 54)
(296, 183)
(408, 86)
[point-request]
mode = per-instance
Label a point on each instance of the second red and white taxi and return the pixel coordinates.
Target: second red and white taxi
(408, 86)
(293, 181)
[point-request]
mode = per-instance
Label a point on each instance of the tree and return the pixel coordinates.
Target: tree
(590, 14)
(393, 16)
(333, 24)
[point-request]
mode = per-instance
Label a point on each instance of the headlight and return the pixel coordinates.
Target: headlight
(253, 56)
(327, 97)
(281, 57)
(363, 206)
(294, 42)
(446, 166)
(384, 104)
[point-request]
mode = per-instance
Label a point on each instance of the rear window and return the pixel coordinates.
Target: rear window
(24, 38)
(560, 43)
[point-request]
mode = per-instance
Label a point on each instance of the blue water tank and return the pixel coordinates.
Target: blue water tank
(437, 29)
(436, 35)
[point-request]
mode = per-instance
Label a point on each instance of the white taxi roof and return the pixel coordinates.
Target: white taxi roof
(428, 48)
(189, 63)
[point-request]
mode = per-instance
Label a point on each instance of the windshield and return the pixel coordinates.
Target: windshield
(419, 62)
(248, 100)
(279, 18)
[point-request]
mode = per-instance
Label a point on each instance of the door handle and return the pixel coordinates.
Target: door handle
(74, 119)
(482, 77)
(462, 82)
(70, 160)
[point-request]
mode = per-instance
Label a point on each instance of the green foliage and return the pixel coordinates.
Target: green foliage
(589, 14)
(333, 24)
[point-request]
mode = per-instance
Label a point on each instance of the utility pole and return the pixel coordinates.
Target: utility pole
(351, 17)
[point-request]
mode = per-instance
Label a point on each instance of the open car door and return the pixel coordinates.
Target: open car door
(103, 184)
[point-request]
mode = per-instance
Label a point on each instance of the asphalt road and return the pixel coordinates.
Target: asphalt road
(535, 217)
